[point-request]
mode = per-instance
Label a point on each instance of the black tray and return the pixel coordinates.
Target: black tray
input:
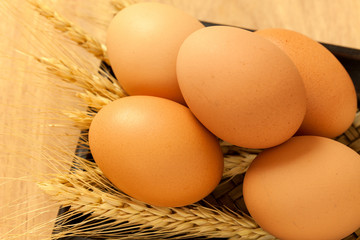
(349, 57)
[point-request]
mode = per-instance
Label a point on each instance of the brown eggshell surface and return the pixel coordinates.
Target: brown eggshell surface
(305, 189)
(143, 41)
(242, 87)
(331, 96)
(156, 151)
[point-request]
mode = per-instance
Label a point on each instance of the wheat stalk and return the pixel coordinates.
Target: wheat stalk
(84, 192)
(72, 31)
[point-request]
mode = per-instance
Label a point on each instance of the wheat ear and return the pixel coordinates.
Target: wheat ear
(88, 192)
(99, 89)
(121, 4)
(101, 84)
(72, 31)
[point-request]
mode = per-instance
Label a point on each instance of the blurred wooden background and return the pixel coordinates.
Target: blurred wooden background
(22, 104)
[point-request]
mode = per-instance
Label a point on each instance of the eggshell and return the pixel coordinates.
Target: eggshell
(156, 151)
(241, 86)
(331, 96)
(307, 188)
(143, 41)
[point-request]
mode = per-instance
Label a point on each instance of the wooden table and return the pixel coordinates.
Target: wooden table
(26, 100)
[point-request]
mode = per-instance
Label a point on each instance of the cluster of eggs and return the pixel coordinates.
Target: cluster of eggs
(190, 85)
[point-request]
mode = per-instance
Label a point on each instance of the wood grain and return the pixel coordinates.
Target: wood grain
(328, 21)
(23, 103)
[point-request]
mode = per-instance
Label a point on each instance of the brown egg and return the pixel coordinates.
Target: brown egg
(143, 41)
(331, 96)
(242, 87)
(156, 151)
(307, 188)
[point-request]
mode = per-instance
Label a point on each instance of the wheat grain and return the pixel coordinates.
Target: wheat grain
(81, 119)
(72, 31)
(236, 159)
(94, 101)
(356, 122)
(121, 4)
(234, 165)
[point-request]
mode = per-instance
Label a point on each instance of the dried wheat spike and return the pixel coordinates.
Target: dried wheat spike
(72, 31)
(234, 165)
(88, 192)
(94, 101)
(81, 119)
(103, 85)
(121, 4)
